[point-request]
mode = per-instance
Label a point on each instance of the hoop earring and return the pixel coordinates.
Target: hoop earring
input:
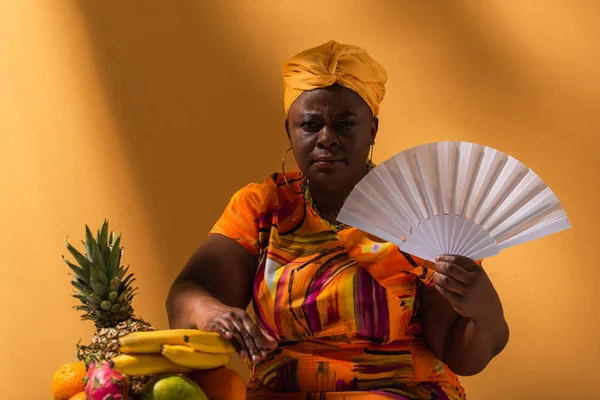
(370, 160)
(283, 171)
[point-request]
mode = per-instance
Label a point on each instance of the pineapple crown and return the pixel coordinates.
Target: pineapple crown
(101, 284)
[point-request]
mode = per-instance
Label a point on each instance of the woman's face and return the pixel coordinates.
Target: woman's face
(331, 130)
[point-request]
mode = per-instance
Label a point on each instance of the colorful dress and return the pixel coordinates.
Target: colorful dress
(342, 304)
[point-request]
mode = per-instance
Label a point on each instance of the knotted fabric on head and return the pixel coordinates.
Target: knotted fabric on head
(330, 63)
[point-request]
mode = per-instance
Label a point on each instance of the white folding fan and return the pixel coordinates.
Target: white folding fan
(453, 198)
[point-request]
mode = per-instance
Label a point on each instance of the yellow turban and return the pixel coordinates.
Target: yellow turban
(333, 62)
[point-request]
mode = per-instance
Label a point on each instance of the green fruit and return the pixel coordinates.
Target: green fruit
(173, 387)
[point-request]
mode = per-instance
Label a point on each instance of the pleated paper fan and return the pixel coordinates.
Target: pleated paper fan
(453, 198)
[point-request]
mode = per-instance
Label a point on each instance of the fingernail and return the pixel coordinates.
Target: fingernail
(437, 259)
(254, 358)
(263, 354)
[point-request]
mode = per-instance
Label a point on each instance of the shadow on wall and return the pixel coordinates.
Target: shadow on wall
(186, 105)
(196, 93)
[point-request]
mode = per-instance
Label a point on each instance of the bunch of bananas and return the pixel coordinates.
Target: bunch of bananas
(177, 351)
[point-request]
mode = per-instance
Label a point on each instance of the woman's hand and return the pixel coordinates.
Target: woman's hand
(467, 288)
(235, 325)
(463, 320)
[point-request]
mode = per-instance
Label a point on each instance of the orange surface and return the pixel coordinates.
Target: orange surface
(221, 384)
(79, 396)
(68, 381)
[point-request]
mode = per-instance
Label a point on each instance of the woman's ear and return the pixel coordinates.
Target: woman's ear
(374, 128)
(287, 127)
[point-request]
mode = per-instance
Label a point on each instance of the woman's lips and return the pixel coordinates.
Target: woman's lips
(323, 163)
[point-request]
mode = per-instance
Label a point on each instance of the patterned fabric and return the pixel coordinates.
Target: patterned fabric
(342, 305)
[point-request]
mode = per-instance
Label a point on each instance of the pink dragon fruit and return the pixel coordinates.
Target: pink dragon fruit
(104, 383)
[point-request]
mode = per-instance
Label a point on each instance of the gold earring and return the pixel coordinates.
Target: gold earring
(283, 171)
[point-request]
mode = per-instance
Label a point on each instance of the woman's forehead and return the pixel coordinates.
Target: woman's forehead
(331, 100)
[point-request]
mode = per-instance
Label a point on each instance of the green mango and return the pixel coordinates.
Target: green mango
(172, 387)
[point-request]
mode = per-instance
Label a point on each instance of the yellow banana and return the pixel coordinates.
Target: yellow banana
(188, 357)
(208, 342)
(146, 364)
(151, 341)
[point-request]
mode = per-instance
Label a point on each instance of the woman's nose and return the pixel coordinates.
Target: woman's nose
(327, 137)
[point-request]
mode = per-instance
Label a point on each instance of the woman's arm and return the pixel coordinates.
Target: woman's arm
(220, 269)
(212, 292)
(462, 316)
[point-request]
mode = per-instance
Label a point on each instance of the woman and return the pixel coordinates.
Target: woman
(335, 313)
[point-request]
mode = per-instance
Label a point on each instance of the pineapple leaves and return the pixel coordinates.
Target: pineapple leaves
(112, 297)
(129, 296)
(93, 250)
(122, 272)
(84, 300)
(102, 286)
(127, 281)
(87, 309)
(98, 281)
(126, 296)
(115, 257)
(97, 258)
(103, 241)
(81, 286)
(89, 239)
(80, 258)
(80, 273)
(114, 285)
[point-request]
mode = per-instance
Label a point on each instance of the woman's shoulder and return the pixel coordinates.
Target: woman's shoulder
(282, 183)
(276, 188)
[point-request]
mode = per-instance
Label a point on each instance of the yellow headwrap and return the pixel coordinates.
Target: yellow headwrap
(333, 62)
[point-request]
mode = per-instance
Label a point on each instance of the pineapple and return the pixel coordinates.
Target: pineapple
(105, 290)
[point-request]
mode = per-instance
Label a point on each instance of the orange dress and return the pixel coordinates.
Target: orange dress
(341, 304)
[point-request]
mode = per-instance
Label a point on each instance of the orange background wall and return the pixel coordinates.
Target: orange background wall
(153, 113)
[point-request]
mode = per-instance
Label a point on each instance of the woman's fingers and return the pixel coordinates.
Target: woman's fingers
(454, 271)
(263, 340)
(448, 283)
(228, 331)
(462, 261)
(253, 337)
(452, 297)
(242, 331)
(248, 340)
(242, 336)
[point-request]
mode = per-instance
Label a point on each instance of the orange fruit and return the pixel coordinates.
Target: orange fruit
(67, 381)
(221, 384)
(78, 396)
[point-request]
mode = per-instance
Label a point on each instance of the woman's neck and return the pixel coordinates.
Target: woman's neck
(329, 202)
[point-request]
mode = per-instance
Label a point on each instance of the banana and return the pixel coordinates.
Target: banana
(188, 357)
(146, 364)
(207, 342)
(150, 342)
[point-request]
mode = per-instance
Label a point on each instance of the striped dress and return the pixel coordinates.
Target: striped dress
(342, 304)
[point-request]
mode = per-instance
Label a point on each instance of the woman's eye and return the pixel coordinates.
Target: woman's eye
(345, 124)
(309, 125)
